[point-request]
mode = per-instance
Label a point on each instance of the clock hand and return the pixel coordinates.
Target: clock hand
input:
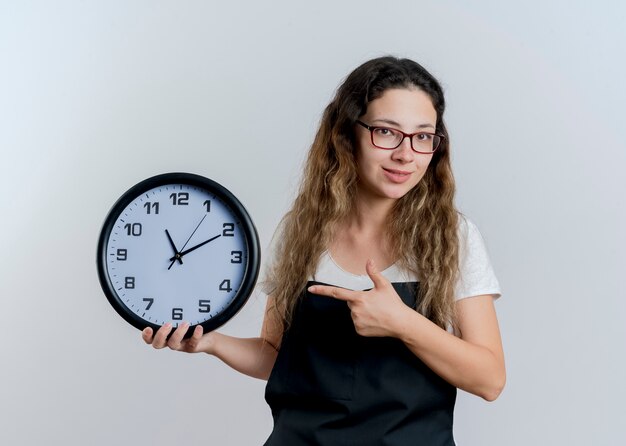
(177, 254)
(194, 231)
(180, 254)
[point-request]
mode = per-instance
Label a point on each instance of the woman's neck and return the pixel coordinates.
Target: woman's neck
(370, 214)
(363, 235)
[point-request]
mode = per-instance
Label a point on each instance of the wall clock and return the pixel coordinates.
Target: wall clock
(178, 247)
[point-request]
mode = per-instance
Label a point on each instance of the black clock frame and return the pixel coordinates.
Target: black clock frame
(244, 221)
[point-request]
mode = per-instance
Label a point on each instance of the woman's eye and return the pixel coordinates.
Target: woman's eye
(423, 137)
(382, 131)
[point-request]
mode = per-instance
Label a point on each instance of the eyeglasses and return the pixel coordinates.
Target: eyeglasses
(388, 138)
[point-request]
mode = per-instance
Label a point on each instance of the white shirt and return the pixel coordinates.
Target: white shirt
(476, 275)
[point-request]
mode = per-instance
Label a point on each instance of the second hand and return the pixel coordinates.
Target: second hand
(194, 231)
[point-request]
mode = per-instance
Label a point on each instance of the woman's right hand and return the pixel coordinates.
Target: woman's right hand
(198, 342)
(251, 356)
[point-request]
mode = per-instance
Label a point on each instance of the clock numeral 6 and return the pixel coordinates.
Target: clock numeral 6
(177, 314)
(229, 229)
(204, 306)
(235, 257)
(180, 198)
(134, 229)
(122, 254)
(129, 282)
(225, 286)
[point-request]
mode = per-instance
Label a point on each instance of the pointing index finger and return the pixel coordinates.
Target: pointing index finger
(334, 292)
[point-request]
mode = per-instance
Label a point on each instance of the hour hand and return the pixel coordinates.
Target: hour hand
(177, 255)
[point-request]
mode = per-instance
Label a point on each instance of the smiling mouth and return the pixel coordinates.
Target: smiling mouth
(397, 172)
(397, 176)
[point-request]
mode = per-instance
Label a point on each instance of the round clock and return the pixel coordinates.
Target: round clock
(178, 247)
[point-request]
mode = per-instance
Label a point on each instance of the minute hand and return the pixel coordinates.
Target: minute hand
(193, 248)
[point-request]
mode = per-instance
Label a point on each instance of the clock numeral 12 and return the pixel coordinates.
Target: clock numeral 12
(180, 198)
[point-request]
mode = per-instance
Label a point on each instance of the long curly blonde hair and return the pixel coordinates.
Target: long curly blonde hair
(423, 223)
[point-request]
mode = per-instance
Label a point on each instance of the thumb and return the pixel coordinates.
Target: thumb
(146, 334)
(372, 271)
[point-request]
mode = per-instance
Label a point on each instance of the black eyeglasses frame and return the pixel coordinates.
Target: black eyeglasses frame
(372, 129)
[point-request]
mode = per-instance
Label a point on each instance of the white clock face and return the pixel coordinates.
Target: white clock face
(176, 253)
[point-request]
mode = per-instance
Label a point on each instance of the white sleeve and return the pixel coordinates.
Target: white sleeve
(476, 275)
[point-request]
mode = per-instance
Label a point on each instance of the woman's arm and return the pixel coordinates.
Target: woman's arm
(474, 362)
(251, 356)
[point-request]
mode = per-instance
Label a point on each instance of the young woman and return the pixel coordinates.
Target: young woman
(380, 293)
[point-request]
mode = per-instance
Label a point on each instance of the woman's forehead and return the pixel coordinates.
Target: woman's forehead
(402, 107)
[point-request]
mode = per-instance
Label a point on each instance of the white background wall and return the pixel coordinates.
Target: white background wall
(96, 96)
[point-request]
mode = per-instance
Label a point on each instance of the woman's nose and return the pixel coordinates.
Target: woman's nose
(404, 152)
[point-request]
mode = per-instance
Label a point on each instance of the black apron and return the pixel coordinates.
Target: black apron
(330, 386)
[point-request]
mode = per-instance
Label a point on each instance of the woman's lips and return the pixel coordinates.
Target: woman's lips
(397, 176)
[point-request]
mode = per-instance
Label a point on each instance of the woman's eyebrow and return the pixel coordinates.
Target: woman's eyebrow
(396, 124)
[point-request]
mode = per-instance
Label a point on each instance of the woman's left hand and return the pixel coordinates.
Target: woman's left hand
(377, 312)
